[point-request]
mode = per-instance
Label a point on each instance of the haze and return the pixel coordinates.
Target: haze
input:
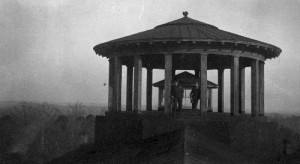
(46, 46)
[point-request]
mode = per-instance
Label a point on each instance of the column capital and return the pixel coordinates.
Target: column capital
(262, 62)
(205, 53)
(237, 52)
(168, 53)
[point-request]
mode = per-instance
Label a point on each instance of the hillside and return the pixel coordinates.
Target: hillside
(39, 132)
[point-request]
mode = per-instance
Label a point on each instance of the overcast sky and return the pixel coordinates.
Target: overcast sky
(46, 45)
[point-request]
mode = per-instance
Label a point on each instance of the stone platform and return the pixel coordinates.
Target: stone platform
(186, 137)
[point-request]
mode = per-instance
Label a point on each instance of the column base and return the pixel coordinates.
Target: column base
(234, 114)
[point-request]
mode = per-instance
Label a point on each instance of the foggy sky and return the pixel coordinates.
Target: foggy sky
(46, 46)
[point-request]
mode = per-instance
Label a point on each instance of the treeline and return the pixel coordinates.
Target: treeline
(36, 133)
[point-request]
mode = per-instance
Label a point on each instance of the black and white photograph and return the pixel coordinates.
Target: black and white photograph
(149, 81)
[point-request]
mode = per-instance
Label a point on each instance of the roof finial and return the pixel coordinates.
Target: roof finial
(185, 13)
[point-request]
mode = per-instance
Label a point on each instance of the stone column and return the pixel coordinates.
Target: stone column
(168, 81)
(203, 83)
(234, 86)
(173, 72)
(221, 90)
(242, 90)
(111, 76)
(197, 72)
(160, 96)
(261, 88)
(129, 88)
(254, 88)
(118, 83)
(149, 89)
(210, 99)
(137, 84)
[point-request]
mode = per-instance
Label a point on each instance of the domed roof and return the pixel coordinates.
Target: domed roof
(187, 29)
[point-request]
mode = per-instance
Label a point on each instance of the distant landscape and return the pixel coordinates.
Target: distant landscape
(286, 120)
(39, 132)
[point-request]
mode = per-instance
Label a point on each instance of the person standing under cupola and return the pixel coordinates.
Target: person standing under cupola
(195, 95)
(176, 95)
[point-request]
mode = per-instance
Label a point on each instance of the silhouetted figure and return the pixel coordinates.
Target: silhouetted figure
(195, 95)
(176, 95)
